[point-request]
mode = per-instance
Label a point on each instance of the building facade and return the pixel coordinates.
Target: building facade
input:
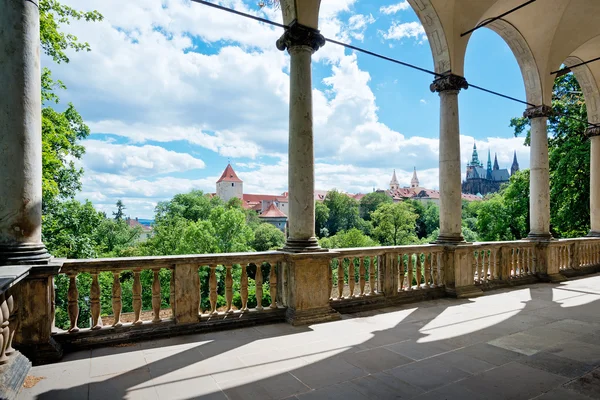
(480, 180)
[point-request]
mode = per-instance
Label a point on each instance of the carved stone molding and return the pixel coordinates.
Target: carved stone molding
(538, 112)
(593, 131)
(449, 82)
(300, 35)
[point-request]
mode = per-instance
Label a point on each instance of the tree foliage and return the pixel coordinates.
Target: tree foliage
(268, 237)
(348, 239)
(394, 223)
(371, 201)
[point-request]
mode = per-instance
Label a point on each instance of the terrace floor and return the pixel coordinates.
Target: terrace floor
(541, 341)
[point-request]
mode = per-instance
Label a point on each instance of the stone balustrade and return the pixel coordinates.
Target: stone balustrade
(502, 261)
(574, 254)
(187, 275)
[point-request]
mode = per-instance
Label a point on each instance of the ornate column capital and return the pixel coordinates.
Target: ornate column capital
(593, 130)
(300, 35)
(449, 82)
(538, 112)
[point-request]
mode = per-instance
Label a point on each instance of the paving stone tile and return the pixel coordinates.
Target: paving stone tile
(428, 374)
(579, 351)
(420, 351)
(384, 386)
(575, 326)
(335, 392)
(328, 372)
(491, 354)
(376, 360)
(136, 384)
(460, 360)
(523, 343)
(116, 363)
(562, 394)
(512, 381)
(587, 385)
(174, 387)
(454, 391)
(274, 387)
(557, 365)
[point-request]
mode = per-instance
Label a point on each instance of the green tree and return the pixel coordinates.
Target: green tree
(114, 237)
(343, 212)
(569, 160)
(348, 239)
(119, 214)
(268, 237)
(321, 218)
(394, 224)
(371, 201)
(192, 206)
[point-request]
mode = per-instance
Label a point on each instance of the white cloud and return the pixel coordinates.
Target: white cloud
(394, 8)
(357, 25)
(423, 101)
(102, 156)
(399, 31)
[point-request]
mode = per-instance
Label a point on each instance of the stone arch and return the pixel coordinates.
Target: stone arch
(588, 84)
(522, 52)
(435, 34)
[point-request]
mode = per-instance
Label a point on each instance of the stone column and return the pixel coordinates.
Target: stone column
(539, 178)
(448, 87)
(593, 132)
(301, 42)
(20, 134)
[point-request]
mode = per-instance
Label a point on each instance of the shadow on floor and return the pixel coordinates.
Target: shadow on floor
(543, 341)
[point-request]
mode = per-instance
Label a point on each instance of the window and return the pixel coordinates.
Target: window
(232, 184)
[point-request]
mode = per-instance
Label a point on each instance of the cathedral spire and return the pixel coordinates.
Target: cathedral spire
(496, 166)
(475, 158)
(515, 165)
(414, 182)
(394, 185)
(488, 174)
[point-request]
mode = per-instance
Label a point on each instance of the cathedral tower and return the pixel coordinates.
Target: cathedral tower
(488, 174)
(496, 166)
(515, 165)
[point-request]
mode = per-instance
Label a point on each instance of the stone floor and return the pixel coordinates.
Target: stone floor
(539, 342)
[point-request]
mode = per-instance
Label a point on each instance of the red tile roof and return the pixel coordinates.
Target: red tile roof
(229, 175)
(272, 212)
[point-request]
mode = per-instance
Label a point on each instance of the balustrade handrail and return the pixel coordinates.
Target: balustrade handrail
(148, 262)
(381, 250)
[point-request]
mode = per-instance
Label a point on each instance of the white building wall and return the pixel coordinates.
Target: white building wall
(228, 190)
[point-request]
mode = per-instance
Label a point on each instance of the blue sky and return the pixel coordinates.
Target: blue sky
(172, 91)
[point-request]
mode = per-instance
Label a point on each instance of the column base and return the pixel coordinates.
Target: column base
(311, 316)
(302, 246)
(539, 237)
(552, 278)
(42, 353)
(449, 239)
(24, 254)
(464, 292)
(13, 374)
(593, 234)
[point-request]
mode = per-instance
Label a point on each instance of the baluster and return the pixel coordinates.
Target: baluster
(361, 275)
(426, 270)
(419, 268)
(137, 297)
(400, 265)
(228, 288)
(116, 299)
(340, 281)
(494, 263)
(475, 267)
(52, 309)
(212, 286)
(13, 321)
(485, 259)
(373, 274)
(259, 287)
(172, 294)
(244, 289)
(434, 274)
(411, 272)
(351, 282)
(95, 301)
(4, 330)
(273, 285)
(329, 279)
(156, 295)
(73, 297)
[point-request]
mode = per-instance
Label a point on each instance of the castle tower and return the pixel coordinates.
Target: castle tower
(515, 165)
(488, 174)
(394, 185)
(414, 182)
(229, 185)
(496, 166)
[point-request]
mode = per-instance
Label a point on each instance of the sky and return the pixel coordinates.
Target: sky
(173, 91)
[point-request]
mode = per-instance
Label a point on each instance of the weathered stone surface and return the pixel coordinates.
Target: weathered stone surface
(12, 375)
